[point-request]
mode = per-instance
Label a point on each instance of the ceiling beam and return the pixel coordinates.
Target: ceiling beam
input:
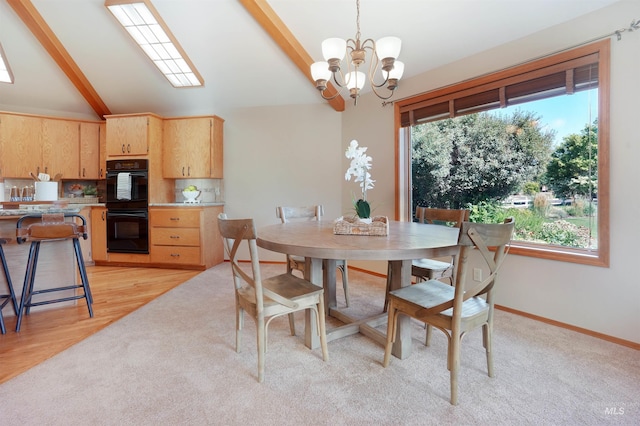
(34, 21)
(273, 25)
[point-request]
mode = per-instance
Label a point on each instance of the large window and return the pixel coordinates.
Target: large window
(490, 144)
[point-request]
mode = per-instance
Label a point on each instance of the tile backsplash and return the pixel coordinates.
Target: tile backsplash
(211, 190)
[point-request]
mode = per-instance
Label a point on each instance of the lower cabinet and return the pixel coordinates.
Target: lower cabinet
(98, 234)
(185, 236)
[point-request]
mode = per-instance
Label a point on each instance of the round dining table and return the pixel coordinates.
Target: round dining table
(317, 242)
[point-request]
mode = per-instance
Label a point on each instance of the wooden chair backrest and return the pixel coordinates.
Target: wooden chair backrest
(480, 236)
(451, 217)
(285, 214)
(234, 232)
(491, 240)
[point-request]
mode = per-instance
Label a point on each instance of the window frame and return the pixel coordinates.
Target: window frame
(478, 85)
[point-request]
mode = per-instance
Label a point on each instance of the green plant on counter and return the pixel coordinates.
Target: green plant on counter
(90, 191)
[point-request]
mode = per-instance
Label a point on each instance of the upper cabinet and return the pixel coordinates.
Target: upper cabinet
(32, 144)
(19, 140)
(192, 147)
(60, 148)
(132, 134)
(90, 166)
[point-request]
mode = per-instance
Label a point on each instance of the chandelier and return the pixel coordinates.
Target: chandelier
(383, 56)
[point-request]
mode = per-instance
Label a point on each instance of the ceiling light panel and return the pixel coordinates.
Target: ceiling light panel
(5, 71)
(149, 31)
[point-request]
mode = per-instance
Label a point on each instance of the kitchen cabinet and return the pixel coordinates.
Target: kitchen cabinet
(39, 145)
(132, 134)
(192, 147)
(60, 148)
(102, 174)
(98, 233)
(19, 143)
(185, 236)
(90, 151)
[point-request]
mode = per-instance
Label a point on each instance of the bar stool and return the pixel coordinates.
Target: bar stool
(52, 228)
(11, 296)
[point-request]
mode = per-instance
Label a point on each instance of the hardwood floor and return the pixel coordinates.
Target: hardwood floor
(116, 292)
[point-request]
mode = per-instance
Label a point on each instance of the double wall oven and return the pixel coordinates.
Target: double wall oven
(127, 204)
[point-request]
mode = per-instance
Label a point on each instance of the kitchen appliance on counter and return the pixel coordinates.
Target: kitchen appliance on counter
(127, 205)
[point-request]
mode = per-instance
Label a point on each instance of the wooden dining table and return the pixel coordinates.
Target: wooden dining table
(316, 241)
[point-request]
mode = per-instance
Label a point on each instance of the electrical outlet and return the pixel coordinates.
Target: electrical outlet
(477, 274)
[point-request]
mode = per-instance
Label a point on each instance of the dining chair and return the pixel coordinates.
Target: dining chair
(459, 308)
(269, 298)
(432, 269)
(297, 263)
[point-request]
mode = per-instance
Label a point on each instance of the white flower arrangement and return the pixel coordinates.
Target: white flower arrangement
(359, 169)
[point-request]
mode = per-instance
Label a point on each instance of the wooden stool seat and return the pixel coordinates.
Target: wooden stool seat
(53, 227)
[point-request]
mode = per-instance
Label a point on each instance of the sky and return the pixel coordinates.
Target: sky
(564, 114)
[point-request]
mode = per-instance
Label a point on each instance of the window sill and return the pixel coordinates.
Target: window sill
(562, 254)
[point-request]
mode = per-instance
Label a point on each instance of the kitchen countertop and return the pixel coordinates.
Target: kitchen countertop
(76, 208)
(12, 213)
(185, 204)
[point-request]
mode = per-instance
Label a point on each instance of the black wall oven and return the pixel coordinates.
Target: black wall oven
(127, 206)
(127, 184)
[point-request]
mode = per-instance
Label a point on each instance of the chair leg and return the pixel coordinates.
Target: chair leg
(322, 328)
(7, 275)
(11, 297)
(391, 334)
(454, 364)
(486, 341)
(260, 325)
(27, 287)
(292, 324)
(239, 325)
(427, 340)
(83, 276)
(345, 282)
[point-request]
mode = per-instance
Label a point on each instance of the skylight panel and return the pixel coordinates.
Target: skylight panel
(149, 31)
(5, 71)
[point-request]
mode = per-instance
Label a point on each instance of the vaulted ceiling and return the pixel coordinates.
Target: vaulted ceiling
(70, 58)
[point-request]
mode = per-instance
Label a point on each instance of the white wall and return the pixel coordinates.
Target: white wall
(287, 156)
(604, 300)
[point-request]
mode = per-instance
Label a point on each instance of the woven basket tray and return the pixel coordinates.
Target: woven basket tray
(353, 226)
(81, 200)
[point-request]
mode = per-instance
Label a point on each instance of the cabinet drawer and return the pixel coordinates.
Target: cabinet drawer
(175, 236)
(183, 218)
(176, 255)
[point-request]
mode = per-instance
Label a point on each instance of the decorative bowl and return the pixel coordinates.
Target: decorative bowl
(190, 196)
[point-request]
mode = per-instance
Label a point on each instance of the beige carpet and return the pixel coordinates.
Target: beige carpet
(173, 362)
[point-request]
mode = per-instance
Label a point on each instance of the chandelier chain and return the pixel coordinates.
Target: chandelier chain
(357, 19)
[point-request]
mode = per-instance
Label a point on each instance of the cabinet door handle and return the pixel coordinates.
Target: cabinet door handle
(175, 255)
(174, 218)
(123, 148)
(103, 215)
(175, 237)
(182, 170)
(189, 171)
(83, 172)
(128, 148)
